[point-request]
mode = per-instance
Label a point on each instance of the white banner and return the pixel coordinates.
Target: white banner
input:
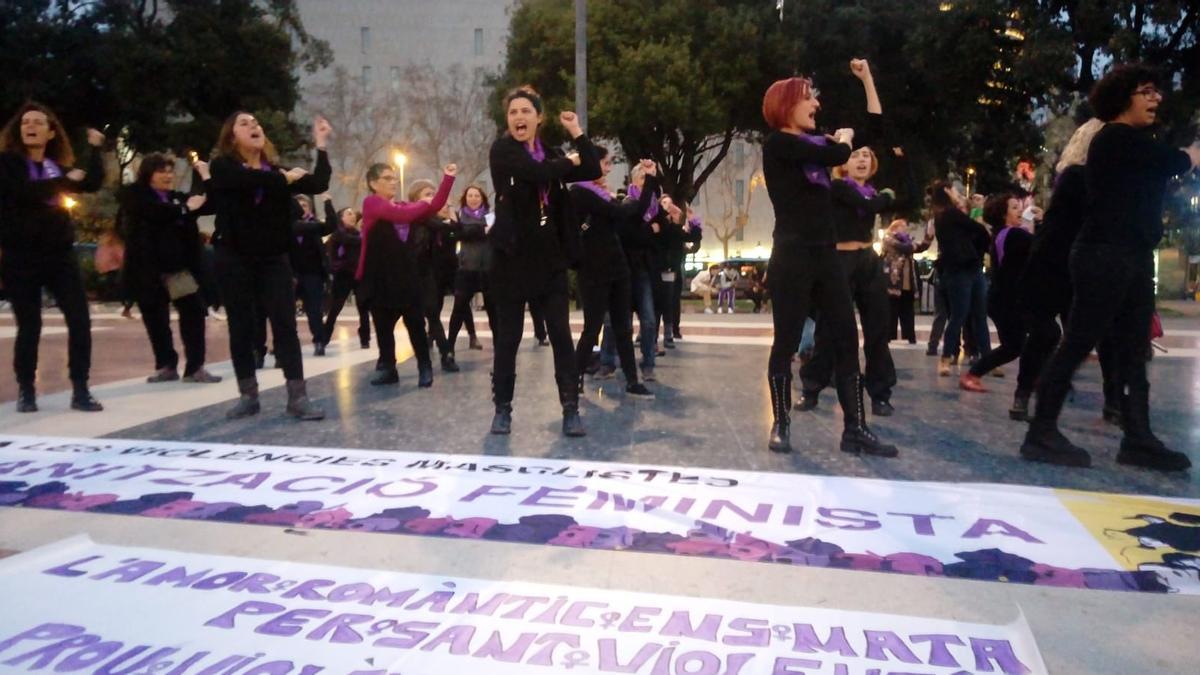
(989, 532)
(80, 607)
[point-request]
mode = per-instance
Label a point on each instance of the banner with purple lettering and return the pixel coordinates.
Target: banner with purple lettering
(975, 531)
(136, 610)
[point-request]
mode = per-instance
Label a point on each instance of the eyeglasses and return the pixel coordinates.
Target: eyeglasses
(1148, 92)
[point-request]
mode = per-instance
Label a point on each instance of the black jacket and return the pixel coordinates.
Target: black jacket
(307, 251)
(160, 238)
(254, 208)
(391, 278)
(527, 253)
(961, 241)
(34, 223)
(602, 223)
(475, 255)
(343, 247)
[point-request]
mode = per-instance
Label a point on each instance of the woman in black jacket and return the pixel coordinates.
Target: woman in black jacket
(604, 284)
(344, 247)
(163, 262)
(962, 243)
(252, 198)
(534, 240)
(37, 238)
(474, 261)
(804, 272)
(307, 258)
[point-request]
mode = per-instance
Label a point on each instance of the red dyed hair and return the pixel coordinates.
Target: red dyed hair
(782, 97)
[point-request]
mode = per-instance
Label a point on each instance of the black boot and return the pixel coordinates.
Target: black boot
(319, 349)
(1020, 407)
(568, 396)
(26, 398)
(298, 405)
(781, 404)
(808, 401)
(260, 359)
(424, 375)
(448, 364)
(81, 398)
(385, 375)
(1140, 447)
(1045, 443)
(502, 395)
(857, 437)
(247, 404)
(882, 408)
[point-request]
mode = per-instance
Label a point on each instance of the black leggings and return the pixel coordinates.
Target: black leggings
(431, 306)
(613, 298)
(868, 288)
(804, 280)
(267, 282)
(466, 284)
(156, 316)
(343, 285)
(1114, 295)
(60, 275)
(903, 316)
(385, 334)
(510, 327)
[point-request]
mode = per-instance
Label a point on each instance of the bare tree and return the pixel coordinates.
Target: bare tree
(447, 120)
(726, 211)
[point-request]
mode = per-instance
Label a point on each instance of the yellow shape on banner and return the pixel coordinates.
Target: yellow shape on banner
(1136, 530)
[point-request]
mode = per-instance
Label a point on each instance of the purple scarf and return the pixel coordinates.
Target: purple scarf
(163, 195)
(696, 223)
(47, 170)
(867, 191)
(635, 193)
(591, 186)
(1000, 244)
(903, 238)
(538, 153)
(816, 174)
(258, 194)
(476, 214)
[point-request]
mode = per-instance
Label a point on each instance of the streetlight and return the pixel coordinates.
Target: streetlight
(69, 203)
(401, 159)
(970, 180)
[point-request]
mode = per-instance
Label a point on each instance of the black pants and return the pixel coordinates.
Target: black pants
(385, 334)
(1114, 292)
(510, 326)
(677, 302)
(663, 306)
(58, 274)
(1012, 326)
(537, 312)
(311, 288)
(156, 316)
(903, 321)
(431, 306)
(804, 280)
(265, 281)
(343, 285)
(466, 284)
(611, 298)
(941, 313)
(868, 288)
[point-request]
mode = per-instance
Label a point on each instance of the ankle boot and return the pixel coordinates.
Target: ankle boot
(81, 398)
(1045, 443)
(944, 366)
(808, 400)
(1139, 446)
(568, 396)
(857, 437)
(26, 398)
(502, 395)
(384, 376)
(247, 404)
(298, 405)
(448, 363)
(781, 404)
(424, 375)
(1020, 407)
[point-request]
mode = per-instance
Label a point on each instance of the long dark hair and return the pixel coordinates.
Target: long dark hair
(995, 210)
(227, 147)
(59, 147)
(462, 201)
(152, 164)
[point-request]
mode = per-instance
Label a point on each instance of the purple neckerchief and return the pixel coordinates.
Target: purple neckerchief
(592, 187)
(816, 174)
(538, 153)
(476, 214)
(163, 195)
(47, 170)
(1000, 243)
(696, 223)
(635, 193)
(865, 189)
(258, 194)
(903, 238)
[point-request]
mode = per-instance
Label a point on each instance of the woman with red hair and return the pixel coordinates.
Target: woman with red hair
(804, 272)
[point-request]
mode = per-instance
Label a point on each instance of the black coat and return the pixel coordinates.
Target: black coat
(307, 252)
(254, 208)
(391, 275)
(34, 223)
(160, 238)
(527, 254)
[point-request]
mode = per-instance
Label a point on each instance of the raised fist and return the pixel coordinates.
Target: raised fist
(451, 170)
(95, 137)
(860, 68)
(649, 167)
(570, 122)
(321, 131)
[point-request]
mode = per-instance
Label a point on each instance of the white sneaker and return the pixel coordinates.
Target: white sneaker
(708, 310)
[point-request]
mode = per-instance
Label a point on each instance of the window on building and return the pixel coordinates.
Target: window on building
(478, 42)
(739, 192)
(364, 35)
(396, 78)
(366, 78)
(740, 235)
(739, 154)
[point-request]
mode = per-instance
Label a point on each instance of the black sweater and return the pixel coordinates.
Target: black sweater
(854, 214)
(602, 224)
(1008, 266)
(475, 255)
(1127, 172)
(391, 278)
(343, 246)
(961, 241)
(1052, 241)
(306, 250)
(160, 238)
(34, 223)
(254, 208)
(527, 254)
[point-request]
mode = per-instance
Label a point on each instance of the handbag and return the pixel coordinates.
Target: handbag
(181, 284)
(1156, 327)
